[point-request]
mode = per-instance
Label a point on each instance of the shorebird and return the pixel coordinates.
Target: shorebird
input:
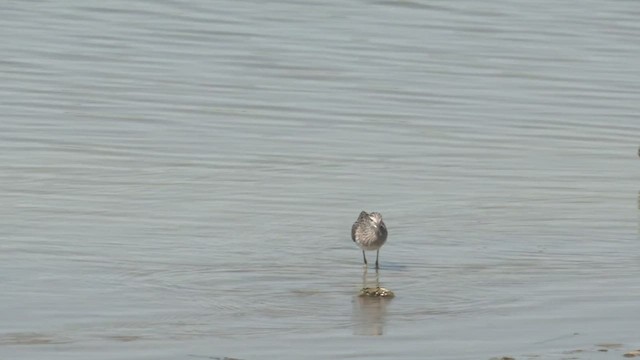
(369, 232)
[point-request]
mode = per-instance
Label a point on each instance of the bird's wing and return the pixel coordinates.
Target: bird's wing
(361, 217)
(383, 229)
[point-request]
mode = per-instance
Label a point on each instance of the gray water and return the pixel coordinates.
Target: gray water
(178, 179)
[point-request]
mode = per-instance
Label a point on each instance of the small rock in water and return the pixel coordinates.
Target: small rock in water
(632, 353)
(503, 358)
(376, 292)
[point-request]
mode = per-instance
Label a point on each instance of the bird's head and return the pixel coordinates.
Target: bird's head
(376, 219)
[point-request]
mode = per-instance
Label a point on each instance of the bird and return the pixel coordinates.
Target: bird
(369, 232)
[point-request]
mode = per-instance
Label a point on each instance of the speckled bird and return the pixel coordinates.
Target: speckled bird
(369, 232)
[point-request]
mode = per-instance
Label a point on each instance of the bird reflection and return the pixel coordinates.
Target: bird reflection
(369, 311)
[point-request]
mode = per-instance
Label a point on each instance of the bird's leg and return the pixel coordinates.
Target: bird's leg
(377, 253)
(364, 257)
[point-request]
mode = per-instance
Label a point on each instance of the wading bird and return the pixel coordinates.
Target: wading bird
(369, 232)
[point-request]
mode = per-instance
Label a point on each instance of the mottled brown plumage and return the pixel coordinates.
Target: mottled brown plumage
(369, 232)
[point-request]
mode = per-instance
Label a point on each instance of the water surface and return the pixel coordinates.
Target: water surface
(179, 180)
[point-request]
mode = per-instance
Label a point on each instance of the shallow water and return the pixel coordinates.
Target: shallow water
(179, 180)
